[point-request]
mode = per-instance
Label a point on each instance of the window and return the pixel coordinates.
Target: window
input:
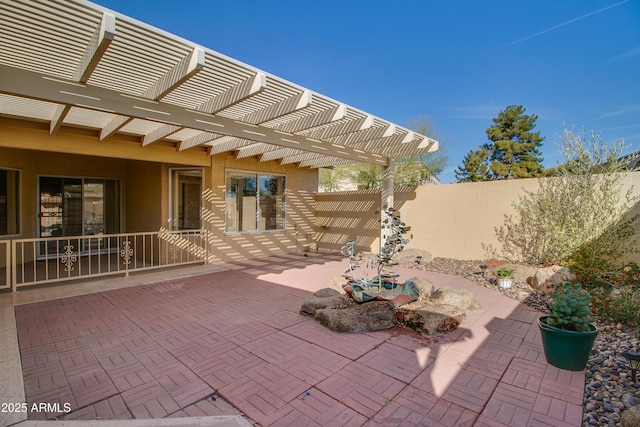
(254, 202)
(9, 202)
(185, 195)
(78, 206)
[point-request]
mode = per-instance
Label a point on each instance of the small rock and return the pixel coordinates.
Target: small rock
(617, 404)
(628, 400)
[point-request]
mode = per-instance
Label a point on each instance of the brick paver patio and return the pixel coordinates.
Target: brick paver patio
(232, 342)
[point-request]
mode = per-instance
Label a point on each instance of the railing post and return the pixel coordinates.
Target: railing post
(13, 262)
(203, 238)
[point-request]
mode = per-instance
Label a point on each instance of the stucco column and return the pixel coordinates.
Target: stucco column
(386, 197)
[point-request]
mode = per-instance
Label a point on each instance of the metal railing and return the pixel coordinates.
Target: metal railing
(5, 264)
(53, 259)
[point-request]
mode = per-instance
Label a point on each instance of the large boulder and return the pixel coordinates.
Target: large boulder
(631, 417)
(412, 256)
(460, 298)
(325, 298)
(419, 287)
(432, 318)
(370, 316)
(547, 277)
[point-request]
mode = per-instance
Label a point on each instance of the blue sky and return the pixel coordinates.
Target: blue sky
(458, 63)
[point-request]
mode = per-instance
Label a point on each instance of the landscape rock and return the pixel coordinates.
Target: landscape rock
(547, 277)
(461, 298)
(370, 316)
(432, 318)
(314, 303)
(631, 417)
(412, 256)
(326, 292)
(494, 263)
(419, 287)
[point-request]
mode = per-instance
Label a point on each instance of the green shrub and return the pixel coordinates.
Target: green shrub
(569, 308)
(580, 215)
(619, 299)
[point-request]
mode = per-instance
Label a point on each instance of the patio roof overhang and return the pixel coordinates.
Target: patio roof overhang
(74, 63)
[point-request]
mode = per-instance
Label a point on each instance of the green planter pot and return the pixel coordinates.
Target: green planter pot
(568, 350)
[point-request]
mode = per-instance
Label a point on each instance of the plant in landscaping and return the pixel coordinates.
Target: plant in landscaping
(505, 272)
(619, 299)
(395, 242)
(570, 308)
(579, 217)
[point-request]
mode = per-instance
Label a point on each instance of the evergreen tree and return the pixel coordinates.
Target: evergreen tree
(513, 150)
(474, 167)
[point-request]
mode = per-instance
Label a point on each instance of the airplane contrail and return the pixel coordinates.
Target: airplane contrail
(555, 27)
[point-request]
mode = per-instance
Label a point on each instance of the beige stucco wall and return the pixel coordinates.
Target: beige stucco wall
(144, 172)
(33, 164)
(449, 220)
(145, 201)
(301, 185)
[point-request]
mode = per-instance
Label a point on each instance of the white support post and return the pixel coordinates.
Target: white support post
(386, 198)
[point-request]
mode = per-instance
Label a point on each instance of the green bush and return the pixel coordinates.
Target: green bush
(580, 216)
(570, 307)
(619, 299)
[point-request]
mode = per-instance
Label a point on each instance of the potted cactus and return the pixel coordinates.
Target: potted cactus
(505, 278)
(567, 332)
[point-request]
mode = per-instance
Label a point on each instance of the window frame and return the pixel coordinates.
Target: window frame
(257, 176)
(18, 211)
(83, 180)
(170, 218)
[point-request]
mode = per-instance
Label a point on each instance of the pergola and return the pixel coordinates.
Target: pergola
(74, 63)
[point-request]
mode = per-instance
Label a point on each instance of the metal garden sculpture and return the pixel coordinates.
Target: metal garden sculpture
(364, 288)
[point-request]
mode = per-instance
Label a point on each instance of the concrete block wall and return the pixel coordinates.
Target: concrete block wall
(449, 220)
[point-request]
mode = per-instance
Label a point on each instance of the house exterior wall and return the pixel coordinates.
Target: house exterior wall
(450, 220)
(144, 176)
(33, 164)
(301, 186)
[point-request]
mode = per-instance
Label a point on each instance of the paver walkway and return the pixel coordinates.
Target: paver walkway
(232, 342)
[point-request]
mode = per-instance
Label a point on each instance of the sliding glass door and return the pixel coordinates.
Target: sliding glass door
(72, 206)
